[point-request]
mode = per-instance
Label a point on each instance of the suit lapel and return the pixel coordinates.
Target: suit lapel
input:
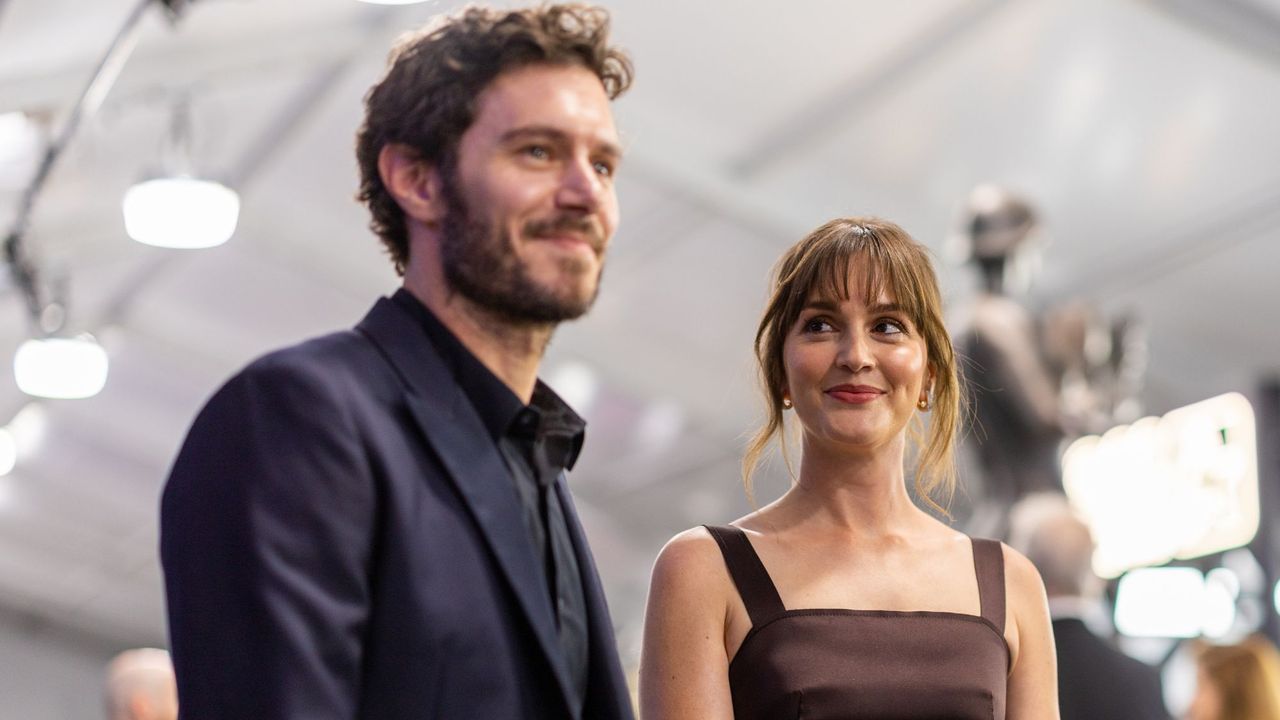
(607, 694)
(458, 436)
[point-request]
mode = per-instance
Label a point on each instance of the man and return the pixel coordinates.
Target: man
(1096, 681)
(140, 686)
(375, 523)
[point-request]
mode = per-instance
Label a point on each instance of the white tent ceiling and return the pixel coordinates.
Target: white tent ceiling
(1146, 135)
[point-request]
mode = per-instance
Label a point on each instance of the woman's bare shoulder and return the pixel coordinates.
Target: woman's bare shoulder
(690, 556)
(684, 664)
(1022, 580)
(690, 587)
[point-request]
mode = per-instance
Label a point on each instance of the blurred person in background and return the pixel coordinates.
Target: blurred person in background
(1013, 392)
(1237, 682)
(1035, 378)
(1096, 681)
(140, 686)
(376, 524)
(843, 598)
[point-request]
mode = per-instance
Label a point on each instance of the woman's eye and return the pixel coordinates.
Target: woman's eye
(816, 325)
(537, 152)
(889, 327)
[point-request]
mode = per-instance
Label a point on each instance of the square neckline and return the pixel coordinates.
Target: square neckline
(765, 606)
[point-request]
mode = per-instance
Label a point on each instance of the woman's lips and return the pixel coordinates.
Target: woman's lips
(854, 394)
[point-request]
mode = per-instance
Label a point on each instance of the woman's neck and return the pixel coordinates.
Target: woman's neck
(861, 493)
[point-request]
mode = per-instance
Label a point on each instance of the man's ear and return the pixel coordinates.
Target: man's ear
(415, 184)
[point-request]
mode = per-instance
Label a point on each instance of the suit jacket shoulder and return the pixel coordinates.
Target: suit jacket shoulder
(1098, 681)
(339, 541)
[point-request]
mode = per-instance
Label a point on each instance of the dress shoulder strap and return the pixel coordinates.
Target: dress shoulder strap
(988, 563)
(749, 575)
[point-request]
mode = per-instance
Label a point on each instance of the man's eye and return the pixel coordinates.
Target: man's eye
(603, 169)
(537, 152)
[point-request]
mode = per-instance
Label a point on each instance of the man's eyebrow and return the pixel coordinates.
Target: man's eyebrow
(529, 132)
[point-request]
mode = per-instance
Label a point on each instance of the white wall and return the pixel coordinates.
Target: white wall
(47, 673)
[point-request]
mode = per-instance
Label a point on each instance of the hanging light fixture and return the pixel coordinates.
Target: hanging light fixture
(54, 363)
(21, 143)
(180, 210)
(61, 367)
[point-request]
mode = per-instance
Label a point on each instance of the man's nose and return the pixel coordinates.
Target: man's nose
(581, 187)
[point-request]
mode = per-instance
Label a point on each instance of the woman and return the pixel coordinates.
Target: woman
(1237, 682)
(842, 599)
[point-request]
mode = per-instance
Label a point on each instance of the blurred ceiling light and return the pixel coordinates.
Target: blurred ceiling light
(1244, 566)
(178, 209)
(1160, 602)
(1225, 578)
(62, 368)
(20, 144)
(181, 212)
(28, 427)
(8, 452)
(1218, 612)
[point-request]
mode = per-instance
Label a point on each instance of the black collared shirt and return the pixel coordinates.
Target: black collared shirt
(538, 441)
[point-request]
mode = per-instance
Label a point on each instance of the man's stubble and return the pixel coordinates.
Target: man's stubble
(480, 263)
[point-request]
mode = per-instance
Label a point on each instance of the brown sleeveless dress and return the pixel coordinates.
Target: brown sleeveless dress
(866, 664)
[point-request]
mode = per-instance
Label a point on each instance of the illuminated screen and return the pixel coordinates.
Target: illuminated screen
(1178, 486)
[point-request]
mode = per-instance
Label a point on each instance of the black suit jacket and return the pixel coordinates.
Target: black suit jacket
(1098, 682)
(341, 539)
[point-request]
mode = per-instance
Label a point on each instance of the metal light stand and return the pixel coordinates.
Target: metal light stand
(25, 272)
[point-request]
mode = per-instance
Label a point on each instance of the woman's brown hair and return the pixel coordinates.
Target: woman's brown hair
(824, 264)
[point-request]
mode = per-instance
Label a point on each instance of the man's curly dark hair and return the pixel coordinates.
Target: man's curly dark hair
(427, 99)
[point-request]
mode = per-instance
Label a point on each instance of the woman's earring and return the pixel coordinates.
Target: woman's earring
(786, 403)
(923, 404)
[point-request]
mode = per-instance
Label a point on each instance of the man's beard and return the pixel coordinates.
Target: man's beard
(481, 264)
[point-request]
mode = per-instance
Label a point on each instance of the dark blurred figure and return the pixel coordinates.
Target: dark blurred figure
(140, 686)
(1035, 378)
(1096, 681)
(1013, 394)
(1237, 682)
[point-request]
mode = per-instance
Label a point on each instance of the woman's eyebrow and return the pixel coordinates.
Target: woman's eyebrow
(821, 304)
(886, 308)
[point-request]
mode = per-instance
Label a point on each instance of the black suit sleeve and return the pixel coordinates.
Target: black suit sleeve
(266, 529)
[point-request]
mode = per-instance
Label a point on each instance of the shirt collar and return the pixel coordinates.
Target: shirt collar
(547, 415)
(562, 429)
